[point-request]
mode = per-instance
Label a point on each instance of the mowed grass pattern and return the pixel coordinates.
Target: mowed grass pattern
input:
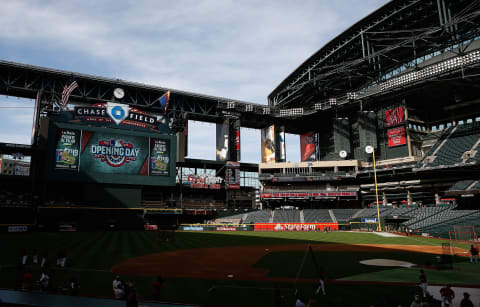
(92, 254)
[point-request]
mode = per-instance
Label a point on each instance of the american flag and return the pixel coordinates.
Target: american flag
(67, 91)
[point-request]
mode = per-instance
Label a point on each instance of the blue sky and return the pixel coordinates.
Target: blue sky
(234, 49)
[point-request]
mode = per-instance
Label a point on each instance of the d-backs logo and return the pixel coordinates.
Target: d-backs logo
(117, 112)
(114, 152)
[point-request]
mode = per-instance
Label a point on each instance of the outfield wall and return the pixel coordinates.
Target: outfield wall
(295, 226)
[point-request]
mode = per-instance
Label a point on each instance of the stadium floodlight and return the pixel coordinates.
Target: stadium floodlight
(231, 105)
(370, 150)
(248, 108)
(332, 101)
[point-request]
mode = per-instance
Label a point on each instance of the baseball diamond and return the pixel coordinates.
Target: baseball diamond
(355, 181)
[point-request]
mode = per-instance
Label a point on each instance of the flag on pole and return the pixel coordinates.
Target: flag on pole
(67, 91)
(164, 100)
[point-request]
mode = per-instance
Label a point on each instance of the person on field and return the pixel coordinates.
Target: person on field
(447, 296)
(44, 281)
(74, 286)
(35, 256)
(299, 302)
(473, 254)
(466, 302)
(27, 280)
(423, 283)
(157, 287)
(321, 284)
(44, 259)
(117, 287)
(24, 256)
(131, 295)
(416, 302)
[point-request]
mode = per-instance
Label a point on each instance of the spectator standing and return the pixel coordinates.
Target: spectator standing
(423, 283)
(466, 302)
(447, 296)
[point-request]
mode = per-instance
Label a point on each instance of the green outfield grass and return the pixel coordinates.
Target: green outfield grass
(92, 254)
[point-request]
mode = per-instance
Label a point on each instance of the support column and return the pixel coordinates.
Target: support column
(437, 199)
(384, 198)
(409, 198)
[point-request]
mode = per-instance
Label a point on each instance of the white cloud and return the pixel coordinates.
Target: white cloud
(236, 49)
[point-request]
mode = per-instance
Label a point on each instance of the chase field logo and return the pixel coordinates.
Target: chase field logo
(114, 152)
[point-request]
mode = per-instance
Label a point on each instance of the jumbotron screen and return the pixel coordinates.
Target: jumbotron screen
(113, 155)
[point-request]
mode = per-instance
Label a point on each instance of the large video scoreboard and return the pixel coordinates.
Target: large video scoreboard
(106, 155)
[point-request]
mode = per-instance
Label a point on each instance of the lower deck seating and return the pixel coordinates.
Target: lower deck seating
(317, 216)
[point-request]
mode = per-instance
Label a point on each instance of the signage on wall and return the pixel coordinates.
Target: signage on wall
(394, 117)
(204, 182)
(396, 136)
(116, 115)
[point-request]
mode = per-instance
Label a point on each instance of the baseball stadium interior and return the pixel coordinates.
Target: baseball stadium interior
(387, 112)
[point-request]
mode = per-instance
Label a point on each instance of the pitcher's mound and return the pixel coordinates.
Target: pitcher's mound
(387, 262)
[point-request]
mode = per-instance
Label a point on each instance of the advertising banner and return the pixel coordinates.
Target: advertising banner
(295, 226)
(268, 144)
(396, 136)
(204, 182)
(309, 194)
(369, 220)
(193, 228)
(394, 117)
(22, 169)
(159, 157)
(235, 144)
(223, 150)
(282, 150)
(232, 175)
(307, 146)
(114, 154)
(67, 149)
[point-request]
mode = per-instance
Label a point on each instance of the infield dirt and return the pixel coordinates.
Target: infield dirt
(238, 261)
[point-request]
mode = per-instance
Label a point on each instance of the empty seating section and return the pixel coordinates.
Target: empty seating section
(439, 142)
(461, 185)
(434, 220)
(446, 218)
(317, 216)
(461, 139)
(442, 228)
(372, 212)
(261, 216)
(344, 214)
(423, 213)
(440, 217)
(286, 216)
